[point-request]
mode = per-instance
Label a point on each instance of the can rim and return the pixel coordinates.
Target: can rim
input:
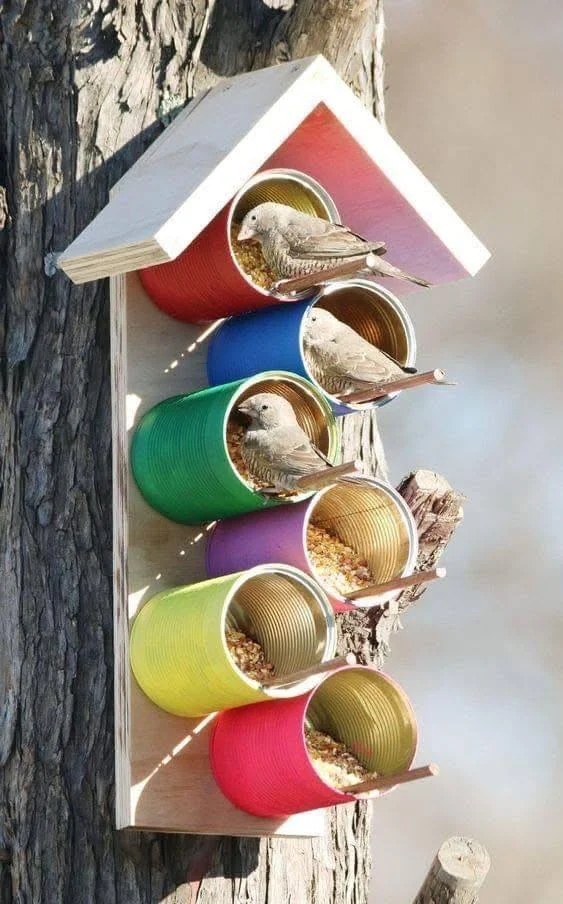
(313, 588)
(366, 795)
(394, 303)
(302, 383)
(408, 520)
(288, 174)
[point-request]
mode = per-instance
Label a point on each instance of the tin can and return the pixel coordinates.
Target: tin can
(179, 454)
(259, 755)
(273, 338)
(179, 653)
(206, 282)
(368, 515)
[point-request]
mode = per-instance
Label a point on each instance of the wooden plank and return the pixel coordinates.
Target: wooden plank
(163, 780)
(216, 145)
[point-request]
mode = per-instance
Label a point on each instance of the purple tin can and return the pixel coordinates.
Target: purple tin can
(368, 515)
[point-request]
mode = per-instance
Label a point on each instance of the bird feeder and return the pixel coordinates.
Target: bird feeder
(259, 754)
(366, 515)
(298, 116)
(246, 345)
(215, 276)
(184, 463)
(179, 652)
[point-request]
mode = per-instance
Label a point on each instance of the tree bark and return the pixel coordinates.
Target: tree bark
(457, 873)
(84, 89)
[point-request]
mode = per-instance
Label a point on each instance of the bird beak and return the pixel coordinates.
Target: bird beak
(245, 234)
(244, 409)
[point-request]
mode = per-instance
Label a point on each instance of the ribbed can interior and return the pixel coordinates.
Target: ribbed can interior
(290, 619)
(374, 315)
(370, 714)
(368, 519)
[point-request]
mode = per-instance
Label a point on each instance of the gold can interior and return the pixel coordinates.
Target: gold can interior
(371, 315)
(364, 710)
(286, 618)
(367, 519)
(309, 413)
(281, 189)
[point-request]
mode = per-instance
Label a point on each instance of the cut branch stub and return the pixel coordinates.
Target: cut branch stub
(457, 873)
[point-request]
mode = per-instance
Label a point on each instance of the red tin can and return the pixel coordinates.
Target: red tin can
(206, 282)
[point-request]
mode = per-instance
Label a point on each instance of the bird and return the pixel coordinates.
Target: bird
(297, 244)
(275, 449)
(340, 359)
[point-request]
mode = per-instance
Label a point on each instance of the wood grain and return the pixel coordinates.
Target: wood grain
(457, 873)
(163, 777)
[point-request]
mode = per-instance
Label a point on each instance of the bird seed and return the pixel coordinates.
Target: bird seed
(251, 260)
(335, 563)
(248, 655)
(333, 761)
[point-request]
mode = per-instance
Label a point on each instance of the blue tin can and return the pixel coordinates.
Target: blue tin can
(272, 339)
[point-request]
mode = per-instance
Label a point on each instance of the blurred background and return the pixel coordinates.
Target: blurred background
(475, 98)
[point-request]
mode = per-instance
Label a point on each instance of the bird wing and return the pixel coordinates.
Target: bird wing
(370, 364)
(300, 455)
(336, 241)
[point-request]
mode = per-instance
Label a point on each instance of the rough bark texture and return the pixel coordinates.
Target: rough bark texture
(457, 873)
(84, 89)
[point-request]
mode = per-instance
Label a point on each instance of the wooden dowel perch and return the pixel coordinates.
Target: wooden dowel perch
(409, 580)
(320, 668)
(326, 476)
(408, 382)
(389, 781)
(311, 280)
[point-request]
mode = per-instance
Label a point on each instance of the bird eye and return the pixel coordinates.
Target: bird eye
(253, 218)
(264, 407)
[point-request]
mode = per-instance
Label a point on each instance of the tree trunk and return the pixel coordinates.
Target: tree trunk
(84, 90)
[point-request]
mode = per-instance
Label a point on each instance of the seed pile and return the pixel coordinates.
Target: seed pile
(248, 655)
(336, 564)
(333, 761)
(251, 260)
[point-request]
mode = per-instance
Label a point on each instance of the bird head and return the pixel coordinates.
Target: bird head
(320, 324)
(267, 410)
(261, 220)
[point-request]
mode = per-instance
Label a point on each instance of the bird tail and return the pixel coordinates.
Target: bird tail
(384, 268)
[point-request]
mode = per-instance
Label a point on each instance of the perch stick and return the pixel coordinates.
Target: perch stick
(320, 668)
(325, 477)
(409, 580)
(389, 781)
(410, 382)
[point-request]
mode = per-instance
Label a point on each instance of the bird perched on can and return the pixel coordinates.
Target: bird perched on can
(297, 244)
(340, 359)
(275, 449)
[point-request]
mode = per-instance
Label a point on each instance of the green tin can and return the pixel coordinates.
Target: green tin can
(180, 458)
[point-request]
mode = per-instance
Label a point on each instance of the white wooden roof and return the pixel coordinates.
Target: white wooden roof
(216, 144)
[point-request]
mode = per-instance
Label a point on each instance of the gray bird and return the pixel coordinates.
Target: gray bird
(297, 244)
(340, 359)
(274, 447)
